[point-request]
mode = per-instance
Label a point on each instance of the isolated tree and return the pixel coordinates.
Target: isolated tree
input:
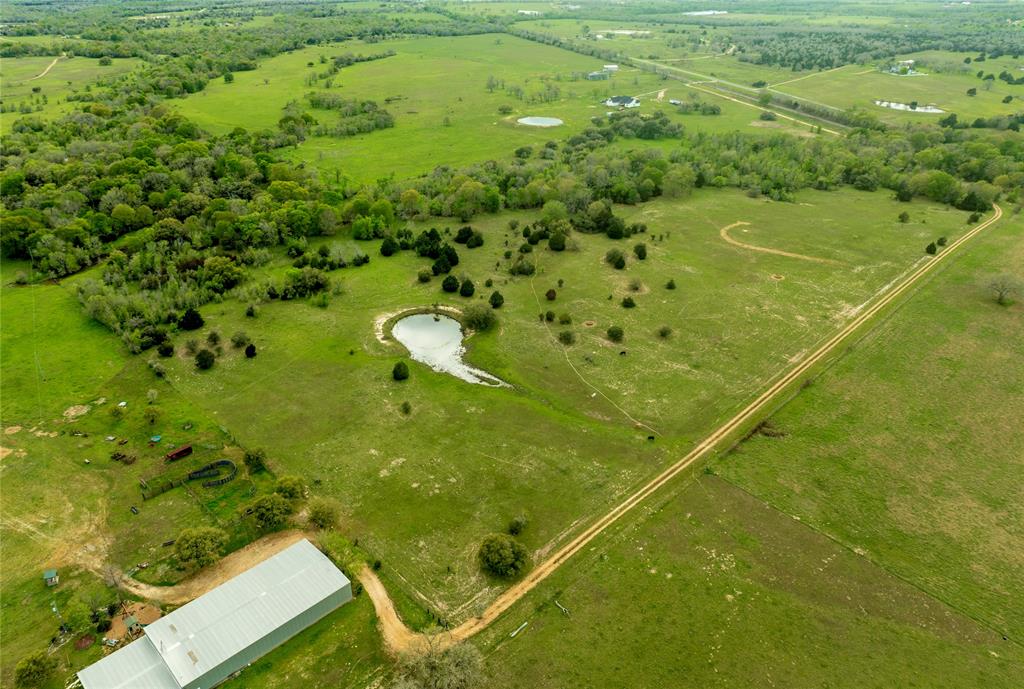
(271, 511)
(671, 284)
(400, 371)
(199, 546)
(389, 246)
(517, 525)
(904, 217)
(205, 359)
(550, 295)
(34, 669)
(191, 320)
(502, 555)
(496, 300)
(323, 514)
(77, 616)
(931, 249)
(556, 242)
(450, 284)
(616, 333)
(250, 351)
(640, 251)
(664, 332)
(628, 303)
(479, 317)
(467, 289)
(1004, 287)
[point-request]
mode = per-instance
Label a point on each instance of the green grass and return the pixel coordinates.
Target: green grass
(319, 396)
(66, 77)
(910, 450)
(709, 586)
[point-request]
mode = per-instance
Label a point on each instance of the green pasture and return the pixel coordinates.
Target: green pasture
(909, 450)
(20, 75)
(320, 399)
(710, 587)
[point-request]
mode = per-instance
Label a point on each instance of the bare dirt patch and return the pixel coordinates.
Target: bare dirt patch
(72, 413)
(11, 430)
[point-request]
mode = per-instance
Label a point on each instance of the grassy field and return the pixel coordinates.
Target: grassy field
(334, 414)
(19, 76)
(713, 588)
(910, 450)
(419, 76)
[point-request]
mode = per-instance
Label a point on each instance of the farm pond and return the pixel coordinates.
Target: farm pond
(534, 121)
(436, 341)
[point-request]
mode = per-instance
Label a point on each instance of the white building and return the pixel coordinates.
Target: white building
(201, 644)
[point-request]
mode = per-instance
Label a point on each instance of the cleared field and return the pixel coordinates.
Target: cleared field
(910, 451)
(738, 318)
(21, 75)
(439, 121)
(711, 587)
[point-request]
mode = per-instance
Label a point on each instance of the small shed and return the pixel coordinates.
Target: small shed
(50, 577)
(611, 68)
(178, 453)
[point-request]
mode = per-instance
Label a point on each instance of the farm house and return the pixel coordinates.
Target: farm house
(204, 642)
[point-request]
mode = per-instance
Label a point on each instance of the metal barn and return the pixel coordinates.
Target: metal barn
(202, 643)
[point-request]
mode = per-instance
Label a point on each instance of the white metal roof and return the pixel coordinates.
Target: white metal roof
(136, 666)
(201, 635)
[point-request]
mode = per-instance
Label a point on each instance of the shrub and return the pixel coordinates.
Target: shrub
(389, 246)
(615, 259)
(549, 316)
(564, 319)
(628, 303)
(467, 288)
(191, 320)
(290, 487)
(904, 217)
(550, 295)
(671, 284)
(640, 251)
(517, 525)
(165, 349)
(635, 285)
(973, 218)
(405, 408)
(522, 266)
(271, 511)
(102, 626)
(450, 284)
(664, 332)
(502, 555)
(252, 311)
(931, 249)
(255, 461)
(557, 242)
(239, 339)
(250, 351)
(322, 513)
(479, 317)
(205, 359)
(213, 338)
(424, 275)
(616, 333)
(400, 371)
(567, 337)
(941, 241)
(496, 300)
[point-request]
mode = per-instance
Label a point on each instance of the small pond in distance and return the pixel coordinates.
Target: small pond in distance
(540, 121)
(436, 341)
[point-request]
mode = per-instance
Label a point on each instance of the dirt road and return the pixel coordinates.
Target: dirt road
(724, 232)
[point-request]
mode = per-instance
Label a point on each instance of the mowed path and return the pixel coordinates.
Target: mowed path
(399, 638)
(724, 232)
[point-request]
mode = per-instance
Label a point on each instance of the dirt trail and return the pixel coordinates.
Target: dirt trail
(47, 70)
(724, 232)
(215, 575)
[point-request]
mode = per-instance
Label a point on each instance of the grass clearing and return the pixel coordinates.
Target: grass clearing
(899, 452)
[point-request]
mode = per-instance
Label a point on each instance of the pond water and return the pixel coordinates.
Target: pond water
(904, 106)
(436, 341)
(540, 121)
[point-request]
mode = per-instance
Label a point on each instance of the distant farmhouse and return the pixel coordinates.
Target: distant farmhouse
(528, 13)
(622, 102)
(201, 644)
(903, 67)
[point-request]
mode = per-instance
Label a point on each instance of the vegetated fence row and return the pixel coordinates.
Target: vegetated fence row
(150, 491)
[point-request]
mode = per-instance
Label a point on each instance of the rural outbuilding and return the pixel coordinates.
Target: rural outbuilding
(50, 577)
(201, 644)
(622, 102)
